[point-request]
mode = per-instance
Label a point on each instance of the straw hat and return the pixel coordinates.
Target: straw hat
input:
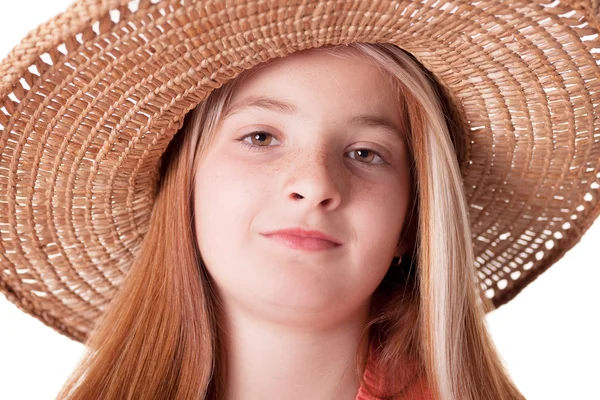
(90, 100)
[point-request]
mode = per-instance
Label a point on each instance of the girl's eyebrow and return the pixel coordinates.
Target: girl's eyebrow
(377, 121)
(283, 107)
(265, 102)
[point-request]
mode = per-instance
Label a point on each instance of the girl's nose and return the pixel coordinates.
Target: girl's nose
(313, 181)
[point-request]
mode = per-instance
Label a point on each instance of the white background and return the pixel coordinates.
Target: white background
(548, 336)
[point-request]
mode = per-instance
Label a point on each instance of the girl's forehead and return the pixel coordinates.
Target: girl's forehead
(342, 61)
(316, 77)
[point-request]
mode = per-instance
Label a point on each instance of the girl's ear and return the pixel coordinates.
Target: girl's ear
(407, 239)
(403, 247)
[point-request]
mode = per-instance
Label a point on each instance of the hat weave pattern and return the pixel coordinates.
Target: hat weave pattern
(90, 100)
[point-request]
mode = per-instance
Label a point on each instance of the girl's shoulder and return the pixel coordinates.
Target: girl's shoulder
(411, 384)
(417, 389)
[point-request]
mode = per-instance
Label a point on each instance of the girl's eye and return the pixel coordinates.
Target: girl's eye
(367, 156)
(260, 140)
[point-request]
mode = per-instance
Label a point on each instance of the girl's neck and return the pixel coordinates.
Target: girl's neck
(267, 360)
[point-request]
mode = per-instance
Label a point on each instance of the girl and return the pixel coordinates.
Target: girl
(327, 140)
(309, 236)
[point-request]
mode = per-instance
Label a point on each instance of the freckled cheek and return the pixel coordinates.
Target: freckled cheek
(229, 189)
(377, 206)
(249, 178)
(378, 211)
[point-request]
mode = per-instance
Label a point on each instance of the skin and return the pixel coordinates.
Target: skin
(293, 318)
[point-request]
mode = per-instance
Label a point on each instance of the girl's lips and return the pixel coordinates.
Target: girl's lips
(303, 243)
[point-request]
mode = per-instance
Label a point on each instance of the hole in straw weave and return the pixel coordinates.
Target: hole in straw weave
(566, 225)
(96, 27)
(558, 235)
(24, 83)
(502, 284)
(46, 58)
(594, 185)
(539, 255)
(483, 239)
(442, 7)
(13, 97)
(580, 208)
(589, 37)
(528, 266)
(551, 5)
(133, 5)
(515, 275)
(62, 48)
(489, 293)
(33, 69)
(162, 11)
(567, 14)
(115, 15)
(38, 293)
(549, 244)
(544, 21)
(588, 197)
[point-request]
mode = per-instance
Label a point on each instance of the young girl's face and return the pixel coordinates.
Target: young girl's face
(312, 141)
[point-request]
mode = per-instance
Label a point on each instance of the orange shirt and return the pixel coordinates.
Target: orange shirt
(413, 387)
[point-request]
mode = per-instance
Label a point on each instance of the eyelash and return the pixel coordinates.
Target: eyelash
(252, 147)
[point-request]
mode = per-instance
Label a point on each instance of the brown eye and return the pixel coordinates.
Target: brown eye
(260, 138)
(259, 141)
(365, 155)
(368, 157)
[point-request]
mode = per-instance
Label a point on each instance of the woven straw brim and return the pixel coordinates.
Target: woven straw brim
(90, 100)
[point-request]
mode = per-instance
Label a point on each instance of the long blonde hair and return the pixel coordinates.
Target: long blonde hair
(159, 336)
